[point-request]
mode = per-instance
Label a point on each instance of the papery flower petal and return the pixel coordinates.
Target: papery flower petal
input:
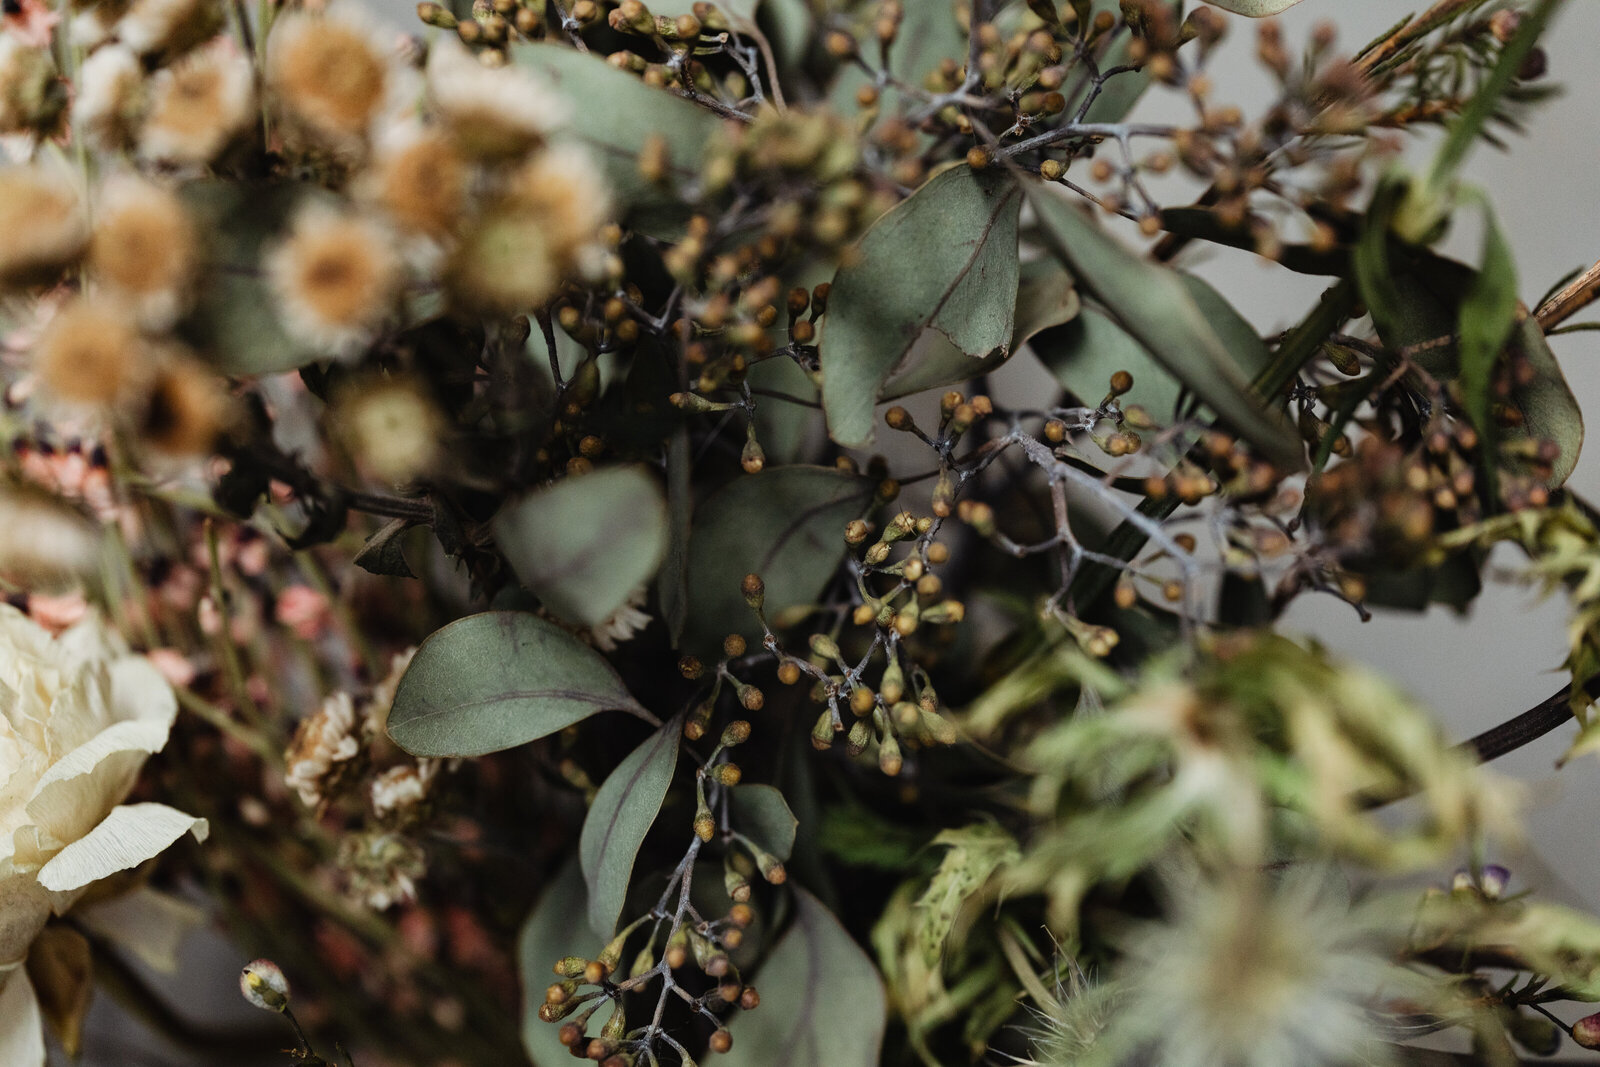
(92, 778)
(21, 1026)
(126, 838)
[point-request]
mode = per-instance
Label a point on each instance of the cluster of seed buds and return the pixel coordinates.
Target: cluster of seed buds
(731, 331)
(805, 168)
(671, 51)
(492, 26)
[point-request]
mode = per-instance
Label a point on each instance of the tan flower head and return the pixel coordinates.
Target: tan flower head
(336, 278)
(168, 27)
(143, 249)
(198, 106)
(43, 223)
(391, 427)
(92, 355)
(322, 740)
(29, 94)
(187, 411)
(419, 179)
(495, 114)
(536, 232)
(109, 97)
(329, 76)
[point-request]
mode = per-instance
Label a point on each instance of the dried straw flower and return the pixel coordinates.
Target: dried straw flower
(330, 77)
(143, 249)
(169, 27)
(29, 95)
(198, 106)
(391, 428)
(419, 179)
(624, 624)
(105, 110)
(323, 739)
(43, 224)
(494, 114)
(543, 227)
(187, 409)
(91, 354)
(336, 278)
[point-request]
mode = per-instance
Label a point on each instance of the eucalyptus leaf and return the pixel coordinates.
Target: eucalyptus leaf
(944, 259)
(761, 814)
(1256, 9)
(550, 934)
(1488, 315)
(235, 319)
(822, 1003)
(1083, 354)
(1046, 297)
(585, 543)
(1153, 304)
(621, 115)
(622, 813)
(785, 524)
(929, 34)
(972, 854)
(497, 680)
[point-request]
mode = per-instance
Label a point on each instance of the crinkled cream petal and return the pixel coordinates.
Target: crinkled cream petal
(126, 838)
(78, 789)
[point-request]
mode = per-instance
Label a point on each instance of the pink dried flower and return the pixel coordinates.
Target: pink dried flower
(304, 611)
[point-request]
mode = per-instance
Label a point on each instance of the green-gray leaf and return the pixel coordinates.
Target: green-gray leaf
(1256, 9)
(620, 115)
(822, 1003)
(1046, 297)
(761, 814)
(1152, 303)
(235, 320)
(497, 680)
(1085, 353)
(623, 810)
(548, 935)
(583, 544)
(929, 34)
(944, 259)
(1487, 317)
(785, 524)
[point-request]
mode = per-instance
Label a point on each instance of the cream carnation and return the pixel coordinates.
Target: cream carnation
(79, 715)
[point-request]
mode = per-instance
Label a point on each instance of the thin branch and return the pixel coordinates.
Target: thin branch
(1573, 298)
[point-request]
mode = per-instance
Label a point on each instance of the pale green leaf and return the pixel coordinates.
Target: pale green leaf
(553, 931)
(585, 543)
(1046, 297)
(822, 1003)
(623, 810)
(497, 680)
(1153, 304)
(1488, 315)
(620, 115)
(972, 854)
(944, 259)
(129, 835)
(761, 814)
(1256, 9)
(785, 524)
(235, 321)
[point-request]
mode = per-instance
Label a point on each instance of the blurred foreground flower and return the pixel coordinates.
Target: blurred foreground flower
(79, 715)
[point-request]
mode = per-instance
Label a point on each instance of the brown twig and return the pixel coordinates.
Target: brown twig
(1573, 298)
(1429, 20)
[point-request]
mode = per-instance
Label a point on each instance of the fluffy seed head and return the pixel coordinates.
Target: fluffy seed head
(186, 411)
(143, 249)
(494, 114)
(167, 27)
(42, 222)
(198, 106)
(106, 108)
(329, 76)
(419, 180)
(92, 355)
(391, 428)
(29, 96)
(336, 277)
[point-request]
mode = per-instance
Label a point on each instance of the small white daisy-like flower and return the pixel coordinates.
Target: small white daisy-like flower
(92, 25)
(198, 106)
(323, 739)
(330, 77)
(106, 107)
(627, 622)
(143, 249)
(400, 789)
(419, 179)
(495, 114)
(43, 222)
(167, 27)
(336, 277)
